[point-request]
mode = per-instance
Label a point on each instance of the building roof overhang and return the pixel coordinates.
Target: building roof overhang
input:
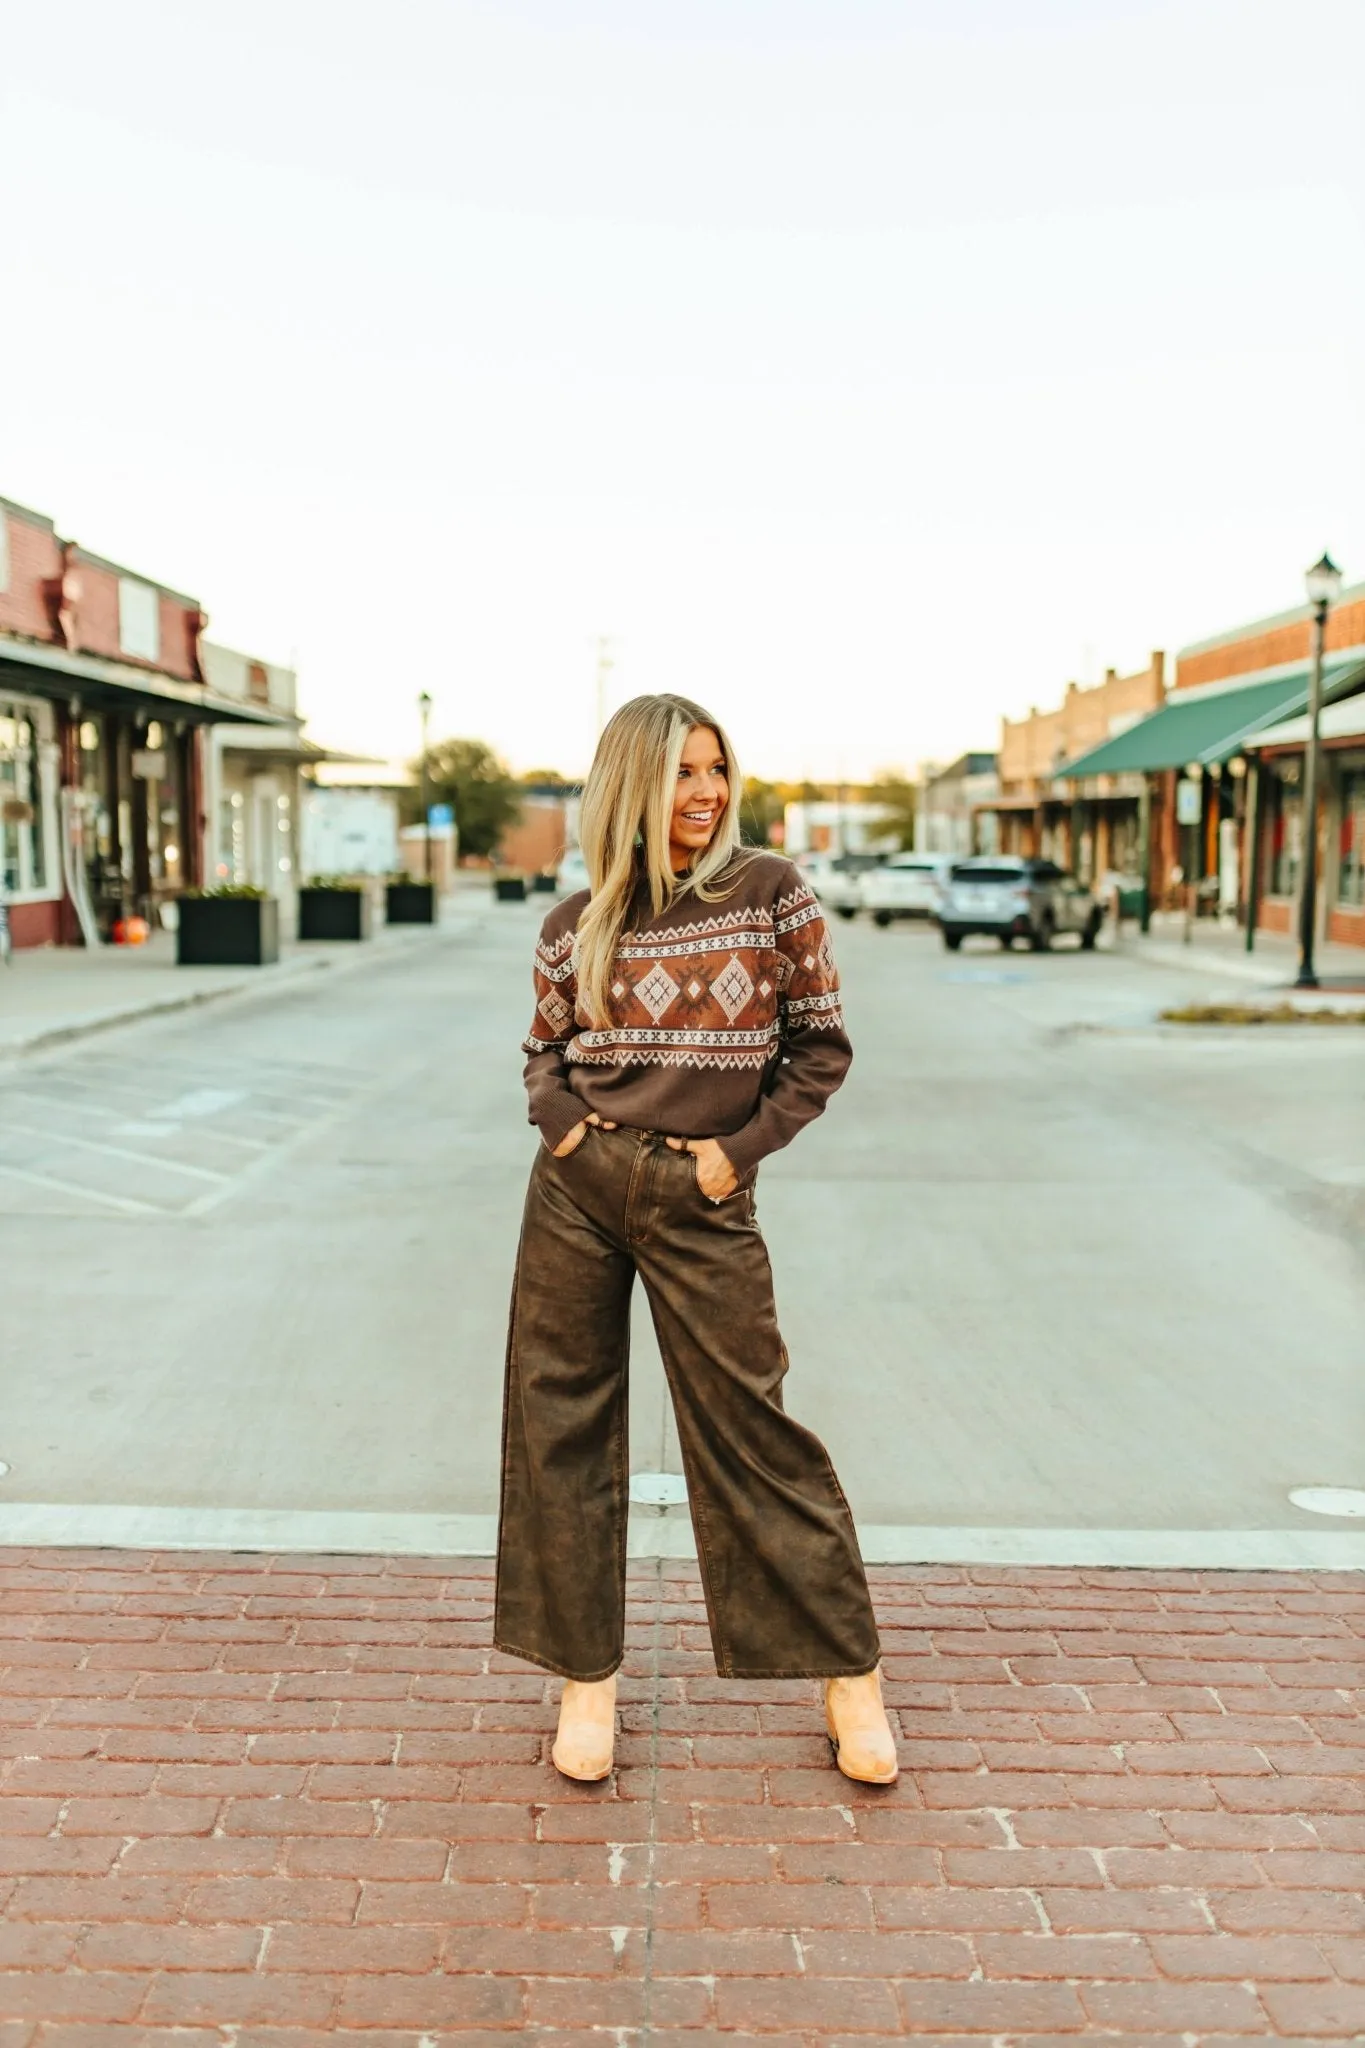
(103, 685)
(1211, 724)
(1344, 720)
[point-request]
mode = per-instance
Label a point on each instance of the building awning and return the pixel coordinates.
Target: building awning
(1208, 725)
(35, 670)
(1344, 720)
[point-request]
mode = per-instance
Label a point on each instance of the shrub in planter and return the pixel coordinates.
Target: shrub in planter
(236, 926)
(408, 901)
(334, 907)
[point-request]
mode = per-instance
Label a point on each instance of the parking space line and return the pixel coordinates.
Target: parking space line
(392, 1078)
(127, 1203)
(113, 1151)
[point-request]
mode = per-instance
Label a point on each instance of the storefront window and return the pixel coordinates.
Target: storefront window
(231, 864)
(1285, 828)
(24, 802)
(1351, 865)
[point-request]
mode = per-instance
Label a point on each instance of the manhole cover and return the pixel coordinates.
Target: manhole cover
(658, 1489)
(1329, 1500)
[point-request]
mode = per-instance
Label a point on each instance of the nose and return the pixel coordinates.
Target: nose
(705, 791)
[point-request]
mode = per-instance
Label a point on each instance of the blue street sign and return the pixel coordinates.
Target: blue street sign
(439, 815)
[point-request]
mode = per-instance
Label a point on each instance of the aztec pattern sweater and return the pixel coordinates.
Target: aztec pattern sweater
(725, 1019)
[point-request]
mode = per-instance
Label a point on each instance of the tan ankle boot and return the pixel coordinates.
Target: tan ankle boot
(864, 1747)
(587, 1729)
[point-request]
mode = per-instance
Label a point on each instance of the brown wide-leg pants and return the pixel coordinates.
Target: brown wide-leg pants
(786, 1594)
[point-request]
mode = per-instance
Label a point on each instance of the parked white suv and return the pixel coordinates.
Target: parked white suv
(837, 878)
(1007, 898)
(907, 885)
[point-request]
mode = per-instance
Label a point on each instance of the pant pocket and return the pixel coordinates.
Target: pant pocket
(567, 1158)
(742, 1193)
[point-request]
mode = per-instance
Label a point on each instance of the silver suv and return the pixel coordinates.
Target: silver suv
(1008, 898)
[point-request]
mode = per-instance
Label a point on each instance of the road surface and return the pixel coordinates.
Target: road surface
(1044, 1265)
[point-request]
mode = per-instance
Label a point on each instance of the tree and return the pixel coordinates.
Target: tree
(761, 806)
(483, 790)
(898, 799)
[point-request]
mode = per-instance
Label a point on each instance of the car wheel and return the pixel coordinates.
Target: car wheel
(881, 917)
(847, 910)
(1007, 942)
(1091, 933)
(1040, 938)
(952, 940)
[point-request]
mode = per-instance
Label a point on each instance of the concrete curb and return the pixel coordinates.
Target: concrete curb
(342, 1532)
(1195, 960)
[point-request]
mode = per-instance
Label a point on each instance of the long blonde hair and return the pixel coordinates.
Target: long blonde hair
(624, 821)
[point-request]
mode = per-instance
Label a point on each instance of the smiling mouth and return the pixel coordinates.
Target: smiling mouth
(698, 817)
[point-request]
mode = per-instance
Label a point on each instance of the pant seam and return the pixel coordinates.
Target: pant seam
(720, 1648)
(506, 1411)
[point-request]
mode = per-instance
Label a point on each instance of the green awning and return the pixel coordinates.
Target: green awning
(1206, 725)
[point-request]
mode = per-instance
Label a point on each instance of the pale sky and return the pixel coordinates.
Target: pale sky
(867, 370)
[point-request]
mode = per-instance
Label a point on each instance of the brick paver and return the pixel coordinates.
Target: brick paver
(267, 1802)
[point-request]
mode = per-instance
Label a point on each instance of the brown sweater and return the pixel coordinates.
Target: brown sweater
(725, 1019)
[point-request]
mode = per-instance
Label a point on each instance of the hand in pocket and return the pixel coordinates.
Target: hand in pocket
(715, 1176)
(579, 1132)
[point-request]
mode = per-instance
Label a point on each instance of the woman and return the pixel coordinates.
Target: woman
(687, 1023)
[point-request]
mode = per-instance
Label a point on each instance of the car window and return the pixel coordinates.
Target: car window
(968, 871)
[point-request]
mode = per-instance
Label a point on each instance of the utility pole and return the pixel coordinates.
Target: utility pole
(605, 665)
(424, 708)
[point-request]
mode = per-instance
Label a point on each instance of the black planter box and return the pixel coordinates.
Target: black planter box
(509, 888)
(545, 885)
(410, 903)
(228, 931)
(334, 914)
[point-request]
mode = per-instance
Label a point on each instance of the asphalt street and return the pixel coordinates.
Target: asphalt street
(1044, 1263)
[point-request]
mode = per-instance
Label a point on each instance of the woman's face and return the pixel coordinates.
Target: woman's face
(703, 792)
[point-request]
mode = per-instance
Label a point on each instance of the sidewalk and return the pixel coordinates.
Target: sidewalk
(273, 1803)
(1221, 949)
(50, 994)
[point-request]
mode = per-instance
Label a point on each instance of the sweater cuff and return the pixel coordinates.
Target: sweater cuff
(744, 1148)
(557, 1117)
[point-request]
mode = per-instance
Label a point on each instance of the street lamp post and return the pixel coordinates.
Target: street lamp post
(1322, 581)
(424, 707)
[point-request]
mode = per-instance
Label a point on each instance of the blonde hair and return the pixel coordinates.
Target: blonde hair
(627, 809)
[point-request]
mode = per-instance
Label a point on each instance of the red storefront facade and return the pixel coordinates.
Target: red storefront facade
(103, 706)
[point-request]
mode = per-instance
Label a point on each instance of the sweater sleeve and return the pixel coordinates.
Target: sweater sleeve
(815, 1052)
(551, 1103)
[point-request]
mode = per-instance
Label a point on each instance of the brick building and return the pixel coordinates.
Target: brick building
(1201, 812)
(1092, 830)
(543, 830)
(103, 706)
(955, 810)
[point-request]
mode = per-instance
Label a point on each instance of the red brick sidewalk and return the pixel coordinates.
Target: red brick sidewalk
(265, 1803)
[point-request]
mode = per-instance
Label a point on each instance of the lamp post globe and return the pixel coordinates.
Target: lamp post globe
(1323, 581)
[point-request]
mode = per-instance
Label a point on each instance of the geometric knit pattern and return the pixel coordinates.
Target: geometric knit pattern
(719, 989)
